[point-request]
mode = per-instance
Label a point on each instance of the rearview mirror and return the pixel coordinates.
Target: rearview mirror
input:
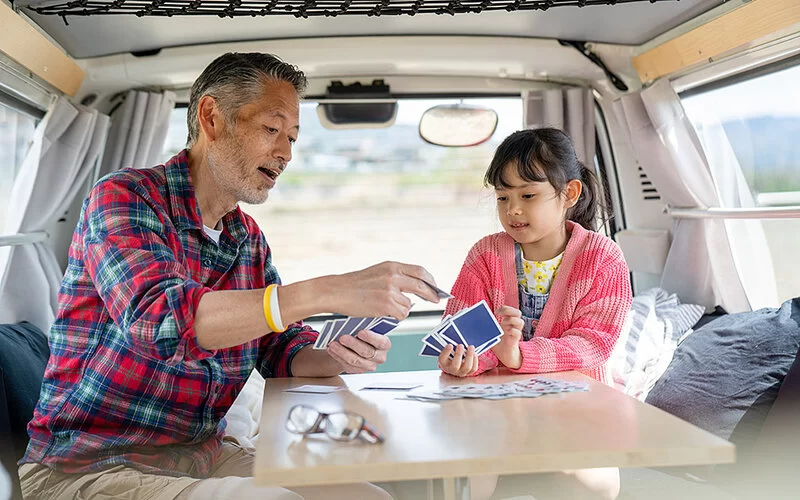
(457, 125)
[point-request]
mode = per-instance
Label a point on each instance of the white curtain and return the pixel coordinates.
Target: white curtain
(62, 156)
(571, 110)
(138, 131)
(702, 265)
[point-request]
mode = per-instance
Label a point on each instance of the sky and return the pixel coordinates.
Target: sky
(775, 94)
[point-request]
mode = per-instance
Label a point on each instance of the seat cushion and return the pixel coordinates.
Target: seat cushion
(726, 375)
(23, 357)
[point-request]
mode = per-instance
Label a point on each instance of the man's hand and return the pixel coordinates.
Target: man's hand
(361, 353)
(507, 351)
(378, 290)
(458, 365)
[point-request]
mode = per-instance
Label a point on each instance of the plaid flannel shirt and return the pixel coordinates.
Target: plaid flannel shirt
(126, 382)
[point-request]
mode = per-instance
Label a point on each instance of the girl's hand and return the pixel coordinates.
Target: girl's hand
(507, 351)
(458, 365)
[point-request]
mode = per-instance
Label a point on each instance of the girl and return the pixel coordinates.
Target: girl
(560, 290)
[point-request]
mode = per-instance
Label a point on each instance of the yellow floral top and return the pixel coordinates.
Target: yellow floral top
(539, 276)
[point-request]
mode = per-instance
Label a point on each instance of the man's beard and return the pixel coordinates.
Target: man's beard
(232, 178)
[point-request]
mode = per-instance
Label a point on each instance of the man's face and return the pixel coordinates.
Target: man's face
(247, 158)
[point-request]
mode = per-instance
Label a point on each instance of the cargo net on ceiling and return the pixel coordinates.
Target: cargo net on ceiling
(305, 8)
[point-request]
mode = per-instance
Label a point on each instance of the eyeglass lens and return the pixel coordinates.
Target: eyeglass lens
(343, 426)
(302, 419)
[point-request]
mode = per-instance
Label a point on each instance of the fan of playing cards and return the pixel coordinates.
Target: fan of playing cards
(335, 328)
(531, 388)
(474, 326)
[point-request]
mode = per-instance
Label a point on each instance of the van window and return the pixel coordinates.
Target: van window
(353, 198)
(760, 119)
(16, 133)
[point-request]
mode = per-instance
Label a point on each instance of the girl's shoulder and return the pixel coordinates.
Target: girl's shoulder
(595, 247)
(497, 244)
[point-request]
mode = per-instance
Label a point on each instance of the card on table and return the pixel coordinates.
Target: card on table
(315, 389)
(531, 388)
(392, 386)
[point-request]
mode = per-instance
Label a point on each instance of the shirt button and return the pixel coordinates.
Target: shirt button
(207, 262)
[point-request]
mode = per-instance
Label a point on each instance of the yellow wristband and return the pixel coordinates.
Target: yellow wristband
(268, 313)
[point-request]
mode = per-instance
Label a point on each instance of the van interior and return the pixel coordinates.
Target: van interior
(687, 111)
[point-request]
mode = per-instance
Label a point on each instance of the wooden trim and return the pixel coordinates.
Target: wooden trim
(739, 27)
(21, 42)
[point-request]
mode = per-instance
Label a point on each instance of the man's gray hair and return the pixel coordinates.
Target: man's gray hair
(235, 79)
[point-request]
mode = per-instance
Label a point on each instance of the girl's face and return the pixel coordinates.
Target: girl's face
(534, 214)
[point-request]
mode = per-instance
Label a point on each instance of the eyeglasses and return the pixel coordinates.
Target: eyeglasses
(340, 425)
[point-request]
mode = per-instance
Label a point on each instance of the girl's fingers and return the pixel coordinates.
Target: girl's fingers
(510, 312)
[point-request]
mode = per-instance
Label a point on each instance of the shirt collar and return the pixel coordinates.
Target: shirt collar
(183, 207)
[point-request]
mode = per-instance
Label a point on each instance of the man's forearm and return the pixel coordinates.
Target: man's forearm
(314, 363)
(229, 318)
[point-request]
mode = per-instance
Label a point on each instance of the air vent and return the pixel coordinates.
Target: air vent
(649, 192)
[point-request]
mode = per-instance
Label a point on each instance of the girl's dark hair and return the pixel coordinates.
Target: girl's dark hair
(547, 154)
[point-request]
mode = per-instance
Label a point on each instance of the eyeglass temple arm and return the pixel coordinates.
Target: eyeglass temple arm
(369, 434)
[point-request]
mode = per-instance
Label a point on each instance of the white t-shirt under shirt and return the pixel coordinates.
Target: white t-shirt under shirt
(212, 233)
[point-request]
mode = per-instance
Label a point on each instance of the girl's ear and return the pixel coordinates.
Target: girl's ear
(573, 191)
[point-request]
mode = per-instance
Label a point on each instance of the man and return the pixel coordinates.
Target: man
(163, 312)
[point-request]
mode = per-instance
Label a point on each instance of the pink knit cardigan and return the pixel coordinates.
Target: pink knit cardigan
(583, 317)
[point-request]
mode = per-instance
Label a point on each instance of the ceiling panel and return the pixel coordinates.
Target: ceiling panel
(630, 24)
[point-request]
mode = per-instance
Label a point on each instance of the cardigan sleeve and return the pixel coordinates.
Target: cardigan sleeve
(593, 332)
(468, 290)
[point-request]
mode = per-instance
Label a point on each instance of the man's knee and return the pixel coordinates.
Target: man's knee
(236, 488)
(360, 491)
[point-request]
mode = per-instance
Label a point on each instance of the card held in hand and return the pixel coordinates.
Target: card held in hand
(474, 326)
(333, 329)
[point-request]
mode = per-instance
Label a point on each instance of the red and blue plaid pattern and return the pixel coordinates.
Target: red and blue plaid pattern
(126, 382)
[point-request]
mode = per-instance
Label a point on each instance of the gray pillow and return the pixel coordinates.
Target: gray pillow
(23, 357)
(725, 376)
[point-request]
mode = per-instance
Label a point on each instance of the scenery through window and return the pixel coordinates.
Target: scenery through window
(16, 133)
(759, 119)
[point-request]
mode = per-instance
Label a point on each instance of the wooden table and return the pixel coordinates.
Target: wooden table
(452, 440)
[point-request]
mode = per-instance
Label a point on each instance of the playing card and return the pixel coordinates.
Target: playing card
(441, 293)
(428, 351)
(477, 390)
(351, 326)
(531, 388)
(451, 334)
(391, 386)
(323, 335)
(382, 326)
(488, 345)
(476, 325)
(315, 389)
(434, 341)
(336, 327)
(424, 394)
